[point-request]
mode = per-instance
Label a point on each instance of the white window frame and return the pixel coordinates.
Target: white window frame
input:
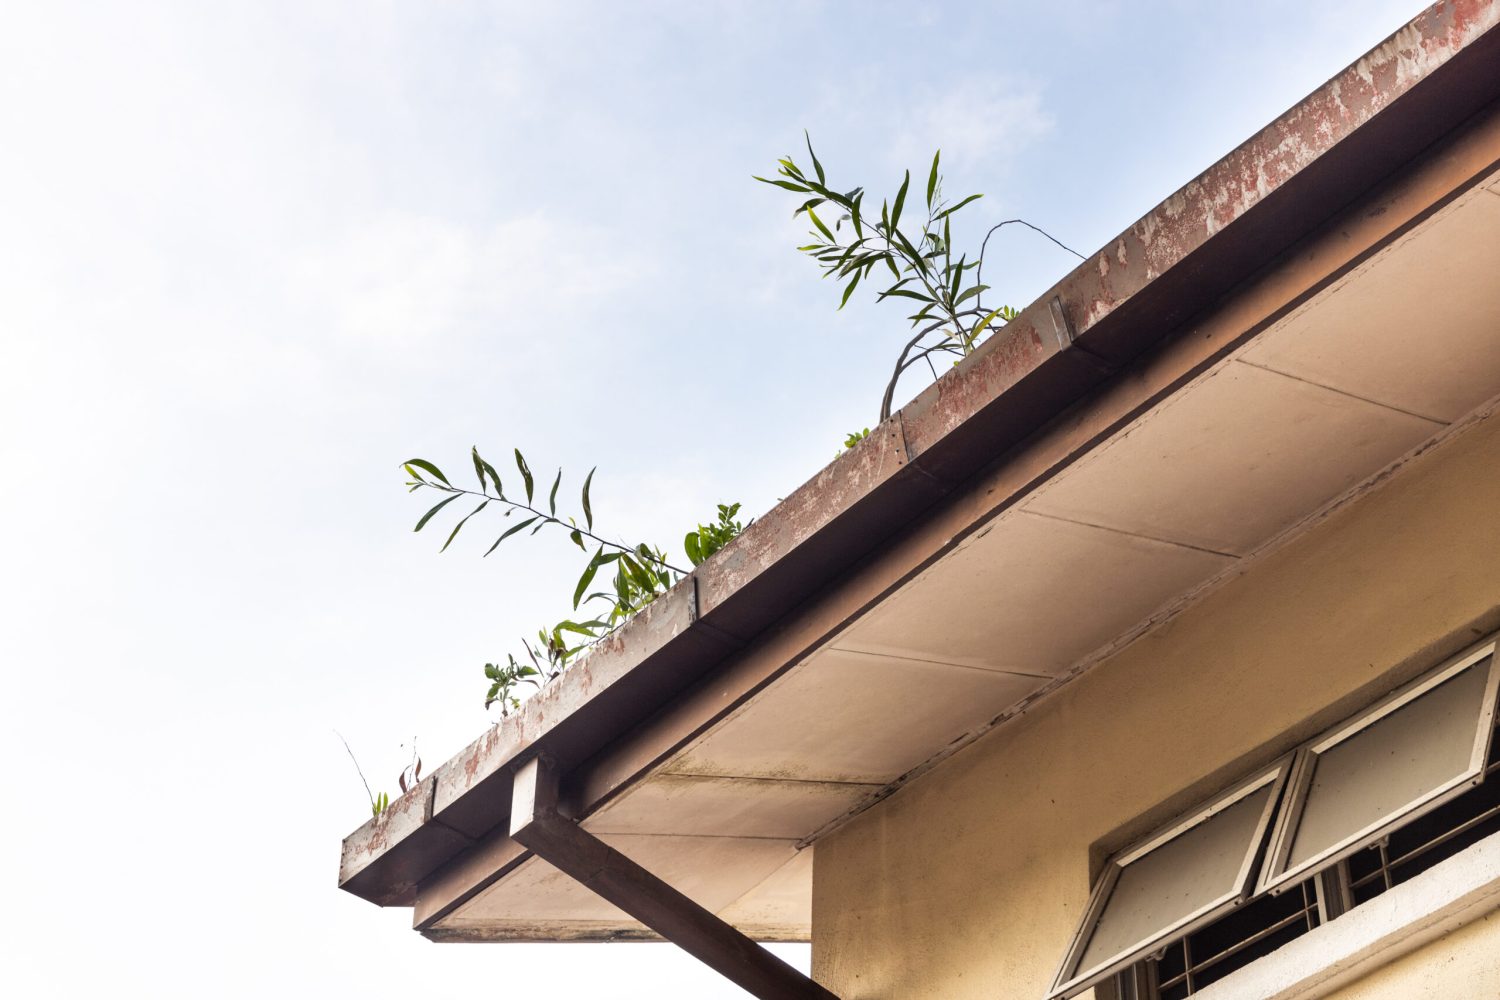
(1274, 776)
(1275, 875)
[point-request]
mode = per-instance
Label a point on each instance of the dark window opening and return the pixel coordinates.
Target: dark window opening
(1262, 924)
(1434, 837)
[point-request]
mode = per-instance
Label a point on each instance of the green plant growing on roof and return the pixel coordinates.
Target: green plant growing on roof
(640, 571)
(950, 318)
(410, 775)
(950, 321)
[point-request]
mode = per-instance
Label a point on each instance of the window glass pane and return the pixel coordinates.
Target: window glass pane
(1176, 880)
(1391, 765)
(1433, 838)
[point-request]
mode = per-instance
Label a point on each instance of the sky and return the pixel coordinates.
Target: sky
(253, 256)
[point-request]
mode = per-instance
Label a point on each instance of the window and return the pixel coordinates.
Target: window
(1238, 938)
(1183, 875)
(1378, 798)
(1406, 754)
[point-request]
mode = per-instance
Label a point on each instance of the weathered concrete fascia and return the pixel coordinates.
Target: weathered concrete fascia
(1175, 262)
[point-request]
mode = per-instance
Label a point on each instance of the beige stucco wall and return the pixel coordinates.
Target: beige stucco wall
(968, 882)
(1464, 965)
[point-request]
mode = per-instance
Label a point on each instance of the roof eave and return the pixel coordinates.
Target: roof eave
(1147, 283)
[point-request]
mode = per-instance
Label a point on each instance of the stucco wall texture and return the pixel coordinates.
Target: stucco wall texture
(1463, 965)
(969, 881)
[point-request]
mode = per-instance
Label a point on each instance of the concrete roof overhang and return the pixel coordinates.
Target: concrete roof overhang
(1289, 326)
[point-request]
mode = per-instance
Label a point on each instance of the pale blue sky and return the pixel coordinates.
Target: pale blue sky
(253, 255)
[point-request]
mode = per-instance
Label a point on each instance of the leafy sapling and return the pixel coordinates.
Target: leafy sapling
(707, 539)
(639, 573)
(950, 319)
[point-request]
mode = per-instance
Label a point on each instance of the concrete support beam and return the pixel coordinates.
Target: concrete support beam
(562, 843)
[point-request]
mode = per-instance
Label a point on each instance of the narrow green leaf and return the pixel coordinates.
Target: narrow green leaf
(983, 324)
(850, 290)
(639, 574)
(817, 167)
(913, 255)
(958, 275)
(842, 200)
(970, 293)
(788, 185)
(819, 223)
(587, 577)
(508, 532)
(577, 538)
(428, 516)
(900, 200)
(890, 290)
(494, 478)
(907, 293)
(422, 463)
(806, 205)
(859, 227)
(949, 211)
(552, 498)
(932, 179)
(525, 474)
(588, 512)
(479, 469)
(842, 267)
(460, 524)
(576, 628)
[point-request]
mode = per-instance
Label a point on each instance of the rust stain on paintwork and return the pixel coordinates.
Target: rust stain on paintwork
(808, 508)
(399, 820)
(998, 364)
(1234, 185)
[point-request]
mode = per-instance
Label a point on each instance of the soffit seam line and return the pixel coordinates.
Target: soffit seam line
(1342, 392)
(766, 778)
(938, 663)
(689, 836)
(1131, 534)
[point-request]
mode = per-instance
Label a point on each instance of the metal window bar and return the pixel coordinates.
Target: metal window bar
(1196, 972)
(1465, 820)
(1174, 973)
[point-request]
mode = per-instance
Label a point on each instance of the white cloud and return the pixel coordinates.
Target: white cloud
(402, 280)
(982, 126)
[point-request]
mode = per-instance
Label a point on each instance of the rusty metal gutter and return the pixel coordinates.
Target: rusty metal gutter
(1140, 292)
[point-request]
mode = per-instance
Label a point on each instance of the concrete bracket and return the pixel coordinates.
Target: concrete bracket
(568, 847)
